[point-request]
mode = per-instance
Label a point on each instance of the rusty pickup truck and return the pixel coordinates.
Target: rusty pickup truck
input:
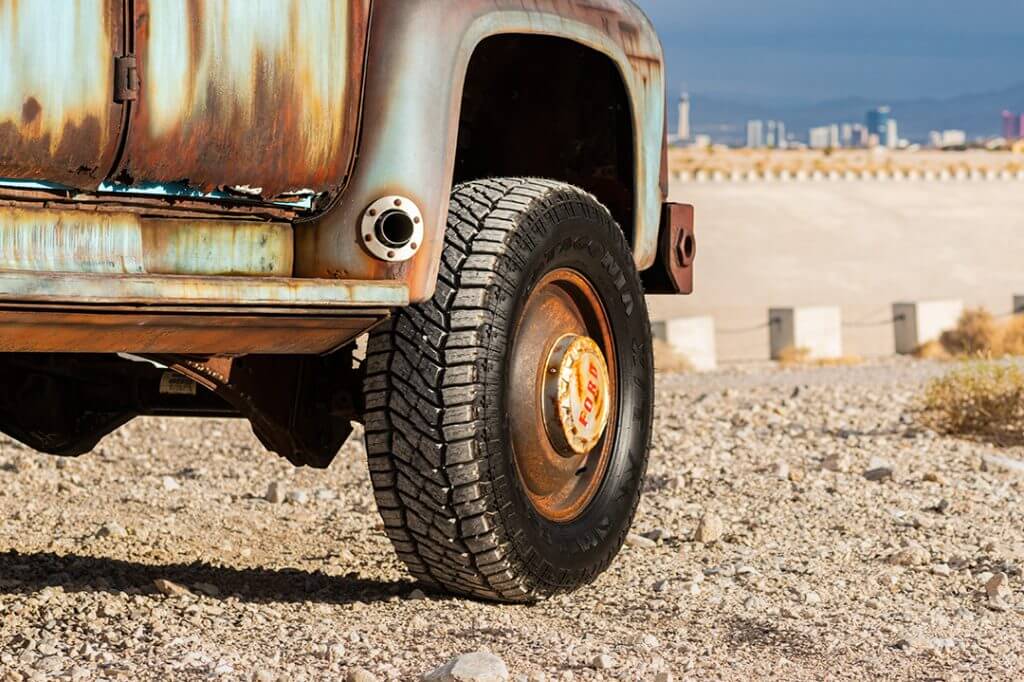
(205, 204)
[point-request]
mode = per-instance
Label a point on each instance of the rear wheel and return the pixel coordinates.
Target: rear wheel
(509, 418)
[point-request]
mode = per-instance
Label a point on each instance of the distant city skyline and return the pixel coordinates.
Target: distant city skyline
(795, 52)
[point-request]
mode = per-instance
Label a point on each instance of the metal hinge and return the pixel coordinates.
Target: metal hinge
(126, 79)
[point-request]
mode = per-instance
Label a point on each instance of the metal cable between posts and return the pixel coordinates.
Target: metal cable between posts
(745, 330)
(877, 323)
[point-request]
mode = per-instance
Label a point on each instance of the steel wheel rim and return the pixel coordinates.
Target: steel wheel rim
(562, 322)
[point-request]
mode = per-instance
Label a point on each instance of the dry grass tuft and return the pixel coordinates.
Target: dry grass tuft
(801, 357)
(668, 359)
(932, 350)
(978, 399)
(792, 356)
(980, 334)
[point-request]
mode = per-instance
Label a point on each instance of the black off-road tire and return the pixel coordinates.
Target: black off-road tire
(436, 421)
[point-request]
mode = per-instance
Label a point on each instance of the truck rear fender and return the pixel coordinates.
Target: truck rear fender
(419, 57)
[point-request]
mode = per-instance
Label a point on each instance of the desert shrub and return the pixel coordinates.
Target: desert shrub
(977, 333)
(932, 350)
(668, 359)
(1013, 336)
(980, 334)
(979, 399)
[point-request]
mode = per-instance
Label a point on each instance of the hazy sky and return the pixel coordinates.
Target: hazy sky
(822, 49)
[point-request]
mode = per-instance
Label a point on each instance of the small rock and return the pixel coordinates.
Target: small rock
(297, 497)
(664, 676)
(326, 495)
(811, 598)
(658, 535)
(263, 675)
(995, 587)
(942, 569)
(1000, 463)
(649, 642)
(710, 529)
(275, 493)
(335, 652)
(603, 662)
(935, 477)
(479, 666)
(170, 484)
(691, 588)
(796, 475)
(912, 555)
(112, 529)
(416, 595)
(640, 542)
(833, 463)
(171, 589)
(360, 675)
(782, 471)
(879, 474)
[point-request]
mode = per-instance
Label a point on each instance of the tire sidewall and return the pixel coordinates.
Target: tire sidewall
(578, 234)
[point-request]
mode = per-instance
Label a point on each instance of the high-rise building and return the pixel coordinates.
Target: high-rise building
(820, 138)
(846, 135)
(769, 139)
(1011, 126)
(892, 134)
(755, 134)
(780, 135)
(684, 117)
(877, 122)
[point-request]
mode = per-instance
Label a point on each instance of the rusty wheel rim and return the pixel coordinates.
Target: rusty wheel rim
(562, 395)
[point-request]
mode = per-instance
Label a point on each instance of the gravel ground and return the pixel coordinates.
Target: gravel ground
(762, 551)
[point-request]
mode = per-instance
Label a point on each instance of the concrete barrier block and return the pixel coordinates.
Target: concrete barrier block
(691, 337)
(919, 322)
(819, 330)
(1018, 304)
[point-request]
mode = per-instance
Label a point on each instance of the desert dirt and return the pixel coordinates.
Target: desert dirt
(797, 525)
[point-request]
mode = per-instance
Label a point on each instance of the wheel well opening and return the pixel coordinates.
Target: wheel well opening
(546, 107)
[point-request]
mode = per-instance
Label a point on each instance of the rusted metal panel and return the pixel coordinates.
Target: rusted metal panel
(411, 110)
(58, 119)
(256, 93)
(238, 331)
(673, 273)
(55, 241)
(177, 247)
(76, 288)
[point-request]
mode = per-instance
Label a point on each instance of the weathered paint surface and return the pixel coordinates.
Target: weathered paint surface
(257, 93)
(58, 120)
(411, 111)
(69, 241)
(76, 288)
(179, 247)
(265, 93)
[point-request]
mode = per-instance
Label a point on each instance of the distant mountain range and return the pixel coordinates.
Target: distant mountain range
(979, 114)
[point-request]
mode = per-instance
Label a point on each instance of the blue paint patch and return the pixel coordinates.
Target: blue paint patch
(302, 201)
